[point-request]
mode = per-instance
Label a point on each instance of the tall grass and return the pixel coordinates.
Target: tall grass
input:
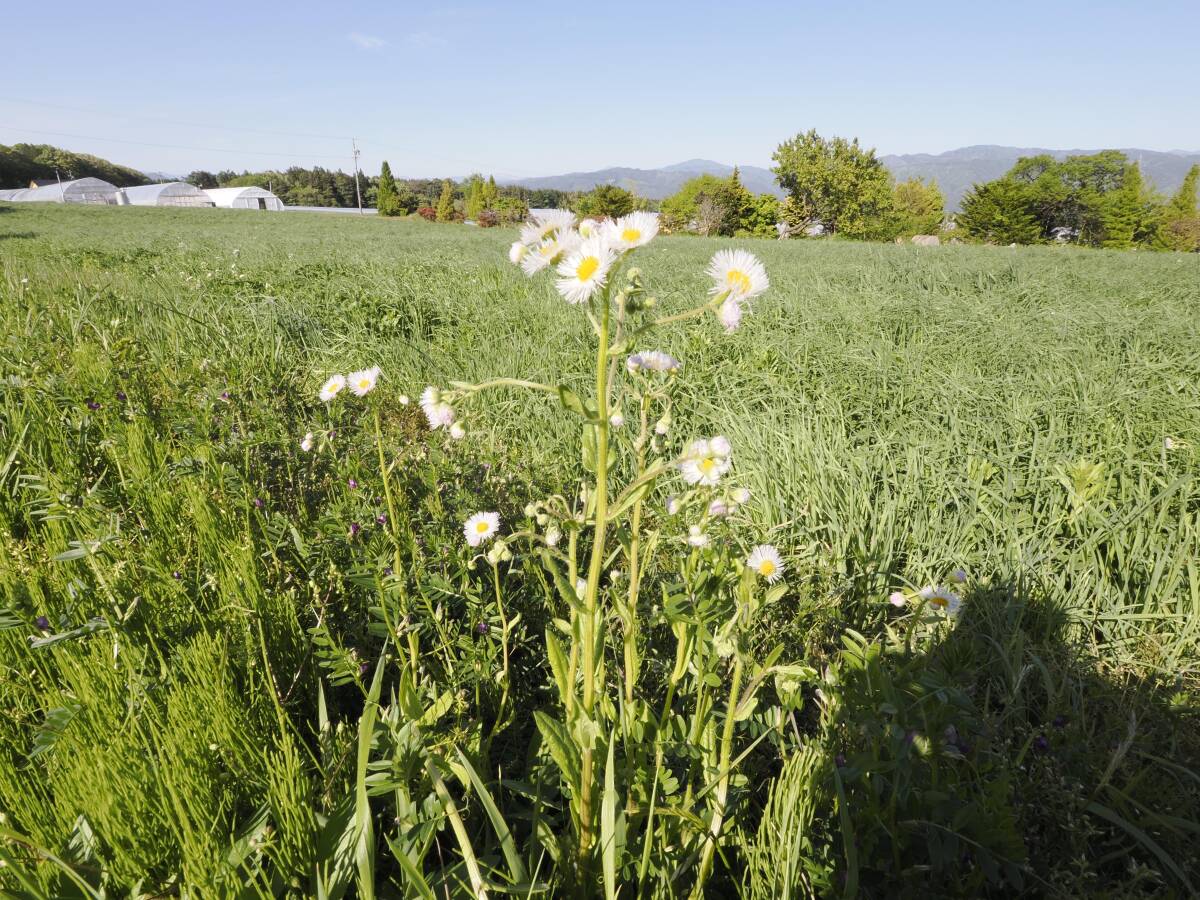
(200, 713)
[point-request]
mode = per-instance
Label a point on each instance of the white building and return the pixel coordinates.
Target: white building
(244, 198)
(172, 193)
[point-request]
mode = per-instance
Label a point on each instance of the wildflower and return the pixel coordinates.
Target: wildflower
(404, 400)
(840, 760)
(616, 420)
(541, 226)
(942, 599)
(1060, 721)
(225, 396)
(958, 576)
(553, 536)
(696, 537)
(729, 313)
(584, 270)
(499, 553)
(352, 484)
(765, 562)
(258, 504)
(381, 519)
(176, 575)
(663, 425)
(121, 397)
(897, 599)
(741, 495)
(549, 252)
(482, 628)
(24, 281)
(438, 413)
(332, 387)
(633, 230)
(517, 252)
(1168, 444)
(362, 383)
(737, 273)
(653, 361)
(481, 527)
(672, 505)
(457, 431)
(1041, 744)
(92, 404)
(705, 461)
(718, 508)
(580, 587)
(363, 669)
(307, 443)
(42, 623)
(589, 228)
(355, 528)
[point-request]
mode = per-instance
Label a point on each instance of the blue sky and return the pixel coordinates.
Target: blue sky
(535, 89)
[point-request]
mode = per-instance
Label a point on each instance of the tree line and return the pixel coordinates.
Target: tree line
(22, 164)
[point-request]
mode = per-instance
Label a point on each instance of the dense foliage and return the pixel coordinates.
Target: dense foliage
(710, 206)
(202, 690)
(22, 164)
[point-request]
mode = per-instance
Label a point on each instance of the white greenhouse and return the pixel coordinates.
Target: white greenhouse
(172, 193)
(81, 190)
(244, 198)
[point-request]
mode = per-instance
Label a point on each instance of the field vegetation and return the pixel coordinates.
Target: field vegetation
(238, 661)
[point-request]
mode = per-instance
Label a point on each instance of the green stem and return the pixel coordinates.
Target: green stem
(498, 724)
(393, 531)
(722, 793)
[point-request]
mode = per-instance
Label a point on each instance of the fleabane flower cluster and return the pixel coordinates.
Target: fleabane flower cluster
(360, 383)
(653, 361)
(738, 277)
(581, 257)
(481, 527)
(706, 460)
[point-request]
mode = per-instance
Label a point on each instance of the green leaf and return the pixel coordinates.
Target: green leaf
(562, 749)
(507, 844)
(608, 824)
(571, 402)
(558, 665)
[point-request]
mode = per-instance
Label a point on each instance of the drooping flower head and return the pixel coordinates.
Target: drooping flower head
(697, 537)
(517, 252)
(897, 599)
(738, 274)
(584, 270)
(481, 527)
(363, 382)
(943, 600)
(332, 387)
(307, 443)
(729, 314)
(764, 561)
(653, 361)
(634, 230)
(438, 413)
(706, 460)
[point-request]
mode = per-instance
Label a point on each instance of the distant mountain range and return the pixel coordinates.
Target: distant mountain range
(955, 171)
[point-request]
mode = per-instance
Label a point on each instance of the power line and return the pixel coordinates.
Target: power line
(111, 115)
(92, 137)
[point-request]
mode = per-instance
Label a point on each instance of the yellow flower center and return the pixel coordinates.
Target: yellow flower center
(333, 387)
(548, 249)
(707, 464)
(738, 281)
(364, 383)
(938, 601)
(587, 268)
(766, 568)
(481, 527)
(629, 235)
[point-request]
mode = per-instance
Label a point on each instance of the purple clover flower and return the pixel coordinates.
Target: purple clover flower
(353, 484)
(1040, 744)
(381, 519)
(92, 404)
(483, 628)
(121, 396)
(42, 623)
(176, 575)
(355, 528)
(258, 503)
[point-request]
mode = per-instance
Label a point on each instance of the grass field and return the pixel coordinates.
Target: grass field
(198, 713)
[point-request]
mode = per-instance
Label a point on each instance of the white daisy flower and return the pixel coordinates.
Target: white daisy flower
(404, 400)
(741, 495)
(517, 252)
(332, 387)
(718, 508)
(541, 226)
(765, 562)
(584, 270)
(897, 599)
(481, 527)
(616, 420)
(362, 383)
(438, 413)
(696, 537)
(653, 361)
(706, 461)
(634, 230)
(457, 431)
(662, 426)
(589, 228)
(549, 252)
(307, 443)
(729, 314)
(738, 274)
(943, 600)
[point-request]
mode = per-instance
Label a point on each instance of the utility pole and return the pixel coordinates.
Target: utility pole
(357, 190)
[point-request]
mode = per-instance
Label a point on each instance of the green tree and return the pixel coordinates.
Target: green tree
(386, 199)
(606, 200)
(834, 182)
(759, 216)
(1180, 226)
(476, 202)
(999, 212)
(706, 204)
(918, 208)
(445, 204)
(491, 193)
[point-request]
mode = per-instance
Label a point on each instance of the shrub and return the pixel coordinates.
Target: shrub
(487, 218)
(428, 213)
